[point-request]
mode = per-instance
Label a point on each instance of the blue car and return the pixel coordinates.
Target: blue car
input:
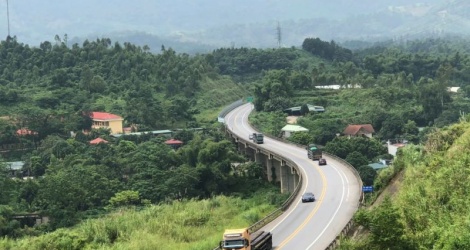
(308, 197)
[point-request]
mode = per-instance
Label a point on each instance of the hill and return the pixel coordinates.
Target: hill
(431, 206)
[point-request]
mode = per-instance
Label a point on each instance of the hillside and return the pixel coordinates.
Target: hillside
(430, 210)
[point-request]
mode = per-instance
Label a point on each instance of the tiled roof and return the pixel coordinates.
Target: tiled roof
(25, 131)
(104, 116)
(173, 142)
(354, 129)
(98, 140)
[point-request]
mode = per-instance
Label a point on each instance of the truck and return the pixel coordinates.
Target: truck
(314, 152)
(257, 138)
(242, 239)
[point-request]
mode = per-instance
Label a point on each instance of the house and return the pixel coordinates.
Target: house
(15, 167)
(377, 166)
(289, 129)
(166, 133)
(365, 130)
(25, 131)
(297, 110)
(98, 141)
(174, 143)
(394, 145)
(107, 121)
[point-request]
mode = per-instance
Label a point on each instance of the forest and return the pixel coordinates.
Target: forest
(401, 89)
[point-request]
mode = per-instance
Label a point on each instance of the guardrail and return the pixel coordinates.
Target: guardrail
(276, 213)
(285, 205)
(226, 110)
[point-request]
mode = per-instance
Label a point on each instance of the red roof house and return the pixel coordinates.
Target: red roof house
(359, 130)
(25, 131)
(173, 142)
(107, 121)
(98, 141)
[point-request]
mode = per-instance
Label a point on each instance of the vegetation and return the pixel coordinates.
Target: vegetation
(194, 224)
(50, 90)
(429, 209)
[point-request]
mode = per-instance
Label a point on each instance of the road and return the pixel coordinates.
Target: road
(307, 225)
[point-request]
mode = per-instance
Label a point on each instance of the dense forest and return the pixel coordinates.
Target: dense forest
(401, 89)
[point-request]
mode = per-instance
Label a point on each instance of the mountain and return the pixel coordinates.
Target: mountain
(201, 25)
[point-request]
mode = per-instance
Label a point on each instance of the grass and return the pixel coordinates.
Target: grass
(188, 224)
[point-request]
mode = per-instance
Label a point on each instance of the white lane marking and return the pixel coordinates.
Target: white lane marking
(340, 173)
(334, 215)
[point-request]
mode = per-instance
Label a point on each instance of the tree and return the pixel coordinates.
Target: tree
(357, 159)
(367, 175)
(125, 198)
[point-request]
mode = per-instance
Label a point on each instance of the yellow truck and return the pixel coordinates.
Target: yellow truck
(242, 239)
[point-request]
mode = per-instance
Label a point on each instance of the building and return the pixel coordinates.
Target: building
(98, 141)
(289, 129)
(311, 108)
(365, 130)
(107, 121)
(394, 145)
(15, 167)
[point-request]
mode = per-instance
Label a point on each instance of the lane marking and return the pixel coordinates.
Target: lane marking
(310, 216)
(334, 215)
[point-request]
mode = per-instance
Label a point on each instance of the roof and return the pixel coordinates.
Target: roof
(377, 166)
(173, 142)
(310, 108)
(315, 108)
(294, 128)
(104, 116)
(98, 140)
(354, 129)
(155, 132)
(15, 165)
(25, 131)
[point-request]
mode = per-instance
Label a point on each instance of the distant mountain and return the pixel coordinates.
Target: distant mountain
(201, 25)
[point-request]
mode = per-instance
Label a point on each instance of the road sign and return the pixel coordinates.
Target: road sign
(367, 189)
(249, 99)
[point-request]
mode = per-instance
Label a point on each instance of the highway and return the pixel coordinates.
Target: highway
(337, 190)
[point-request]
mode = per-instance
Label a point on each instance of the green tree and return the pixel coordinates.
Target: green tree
(367, 175)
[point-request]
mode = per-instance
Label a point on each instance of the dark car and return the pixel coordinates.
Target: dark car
(322, 161)
(308, 197)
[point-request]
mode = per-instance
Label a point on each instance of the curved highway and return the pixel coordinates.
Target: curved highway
(307, 225)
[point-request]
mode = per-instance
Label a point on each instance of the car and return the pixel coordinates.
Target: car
(322, 161)
(308, 197)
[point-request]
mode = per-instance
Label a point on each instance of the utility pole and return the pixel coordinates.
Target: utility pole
(8, 19)
(279, 36)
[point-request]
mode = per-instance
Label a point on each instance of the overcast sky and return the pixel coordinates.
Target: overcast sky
(34, 21)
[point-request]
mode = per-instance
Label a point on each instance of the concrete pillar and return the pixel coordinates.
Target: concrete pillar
(269, 165)
(284, 176)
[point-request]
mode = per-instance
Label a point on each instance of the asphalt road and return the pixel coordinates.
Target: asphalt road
(337, 190)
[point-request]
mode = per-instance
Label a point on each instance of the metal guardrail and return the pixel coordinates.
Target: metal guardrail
(276, 213)
(226, 110)
(286, 204)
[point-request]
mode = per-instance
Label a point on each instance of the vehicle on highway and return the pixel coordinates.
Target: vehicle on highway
(308, 197)
(314, 152)
(242, 239)
(257, 138)
(322, 161)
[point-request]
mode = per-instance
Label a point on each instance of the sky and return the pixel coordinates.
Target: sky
(34, 21)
